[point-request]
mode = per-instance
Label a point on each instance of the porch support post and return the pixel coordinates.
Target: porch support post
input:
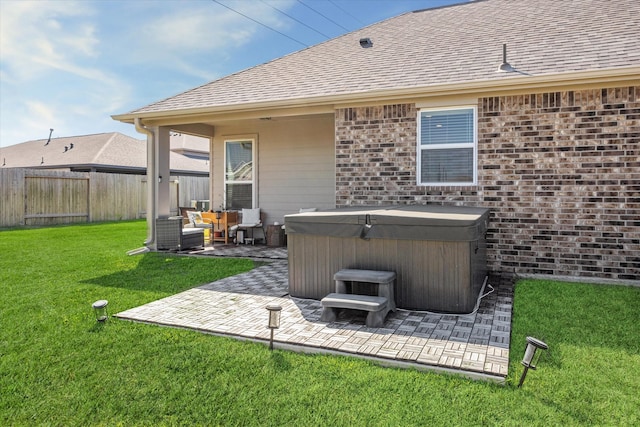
(151, 187)
(164, 173)
(216, 203)
(151, 191)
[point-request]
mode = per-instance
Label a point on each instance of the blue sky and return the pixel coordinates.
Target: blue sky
(70, 65)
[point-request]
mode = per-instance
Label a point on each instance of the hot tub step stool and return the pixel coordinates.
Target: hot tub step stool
(382, 279)
(378, 307)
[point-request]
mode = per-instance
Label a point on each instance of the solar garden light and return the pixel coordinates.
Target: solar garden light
(274, 320)
(533, 344)
(100, 309)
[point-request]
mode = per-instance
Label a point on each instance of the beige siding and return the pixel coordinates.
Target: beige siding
(296, 166)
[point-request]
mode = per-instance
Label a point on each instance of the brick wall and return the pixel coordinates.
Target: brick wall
(376, 155)
(560, 171)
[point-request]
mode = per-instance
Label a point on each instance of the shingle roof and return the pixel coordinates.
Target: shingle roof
(104, 151)
(449, 45)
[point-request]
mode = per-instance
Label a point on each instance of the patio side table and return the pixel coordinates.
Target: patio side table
(275, 235)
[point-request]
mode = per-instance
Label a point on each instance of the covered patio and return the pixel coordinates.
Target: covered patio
(474, 345)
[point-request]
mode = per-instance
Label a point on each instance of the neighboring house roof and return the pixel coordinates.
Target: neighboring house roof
(191, 146)
(442, 47)
(103, 152)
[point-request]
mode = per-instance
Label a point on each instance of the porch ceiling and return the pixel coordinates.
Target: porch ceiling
(204, 125)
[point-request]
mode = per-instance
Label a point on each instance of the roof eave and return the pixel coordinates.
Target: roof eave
(511, 82)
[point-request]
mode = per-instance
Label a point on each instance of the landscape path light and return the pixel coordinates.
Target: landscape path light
(274, 320)
(100, 310)
(531, 356)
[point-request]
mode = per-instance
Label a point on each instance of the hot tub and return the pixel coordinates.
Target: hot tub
(438, 252)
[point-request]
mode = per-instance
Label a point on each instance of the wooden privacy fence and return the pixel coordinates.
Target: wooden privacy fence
(45, 197)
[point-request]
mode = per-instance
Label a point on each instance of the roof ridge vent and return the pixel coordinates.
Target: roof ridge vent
(366, 42)
(505, 67)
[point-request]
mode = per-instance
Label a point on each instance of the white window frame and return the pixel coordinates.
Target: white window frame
(473, 144)
(254, 169)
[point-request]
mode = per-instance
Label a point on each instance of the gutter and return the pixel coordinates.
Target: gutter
(152, 182)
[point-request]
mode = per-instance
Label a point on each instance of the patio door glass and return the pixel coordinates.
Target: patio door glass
(239, 174)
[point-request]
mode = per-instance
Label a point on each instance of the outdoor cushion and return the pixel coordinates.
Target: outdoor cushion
(250, 217)
(195, 218)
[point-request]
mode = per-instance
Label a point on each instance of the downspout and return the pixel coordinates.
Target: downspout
(152, 182)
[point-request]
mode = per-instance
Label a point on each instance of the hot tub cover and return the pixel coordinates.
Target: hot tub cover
(425, 222)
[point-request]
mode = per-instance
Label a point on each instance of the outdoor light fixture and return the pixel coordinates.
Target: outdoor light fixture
(366, 42)
(533, 344)
(274, 320)
(100, 309)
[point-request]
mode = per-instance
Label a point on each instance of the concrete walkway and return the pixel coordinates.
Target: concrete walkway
(474, 345)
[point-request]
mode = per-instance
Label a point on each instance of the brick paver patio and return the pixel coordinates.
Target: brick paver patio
(475, 345)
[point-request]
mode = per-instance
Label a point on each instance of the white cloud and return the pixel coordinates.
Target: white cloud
(178, 36)
(51, 69)
(36, 34)
(30, 120)
(38, 37)
(40, 112)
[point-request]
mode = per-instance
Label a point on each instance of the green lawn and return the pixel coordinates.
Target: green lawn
(59, 367)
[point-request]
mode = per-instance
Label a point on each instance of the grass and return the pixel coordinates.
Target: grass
(59, 367)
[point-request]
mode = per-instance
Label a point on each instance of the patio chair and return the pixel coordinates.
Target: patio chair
(171, 236)
(250, 221)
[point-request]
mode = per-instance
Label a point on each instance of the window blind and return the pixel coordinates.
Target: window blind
(446, 127)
